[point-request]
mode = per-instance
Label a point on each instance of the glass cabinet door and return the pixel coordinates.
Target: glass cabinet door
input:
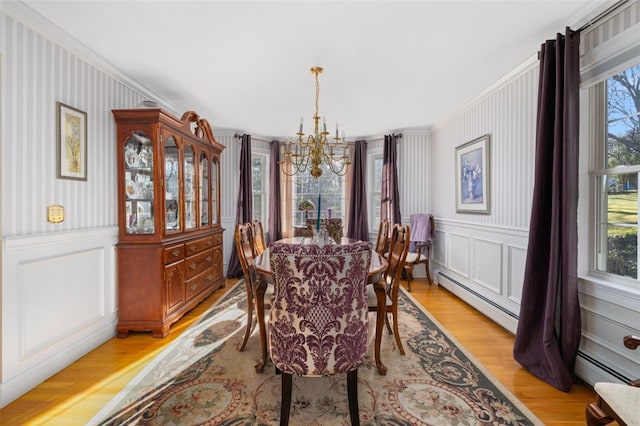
(138, 181)
(171, 192)
(214, 192)
(189, 188)
(204, 189)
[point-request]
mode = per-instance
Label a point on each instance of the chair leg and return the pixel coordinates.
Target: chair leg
(386, 321)
(285, 402)
(352, 391)
(595, 416)
(396, 329)
(250, 308)
(409, 269)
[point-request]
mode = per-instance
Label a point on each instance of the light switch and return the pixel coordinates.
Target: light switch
(55, 214)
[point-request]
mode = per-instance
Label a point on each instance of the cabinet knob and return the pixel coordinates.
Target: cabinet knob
(210, 278)
(193, 266)
(209, 243)
(208, 259)
(194, 287)
(192, 248)
(175, 253)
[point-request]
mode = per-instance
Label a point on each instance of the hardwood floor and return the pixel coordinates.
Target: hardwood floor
(75, 394)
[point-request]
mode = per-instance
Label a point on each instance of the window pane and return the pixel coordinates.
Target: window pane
(623, 118)
(618, 233)
(306, 187)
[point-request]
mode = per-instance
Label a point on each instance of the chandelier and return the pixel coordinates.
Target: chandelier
(317, 148)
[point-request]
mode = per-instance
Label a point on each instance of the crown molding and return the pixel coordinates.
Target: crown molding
(27, 16)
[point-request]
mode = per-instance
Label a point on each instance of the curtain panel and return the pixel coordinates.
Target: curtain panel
(390, 194)
(357, 221)
(549, 328)
(275, 206)
(244, 206)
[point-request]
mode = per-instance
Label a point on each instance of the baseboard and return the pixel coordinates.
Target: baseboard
(20, 384)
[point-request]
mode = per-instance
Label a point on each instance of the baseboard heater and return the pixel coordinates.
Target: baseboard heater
(479, 296)
(586, 357)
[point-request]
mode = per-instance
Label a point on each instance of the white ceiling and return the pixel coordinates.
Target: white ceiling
(387, 65)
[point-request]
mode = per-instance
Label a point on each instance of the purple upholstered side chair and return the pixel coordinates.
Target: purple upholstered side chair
(318, 324)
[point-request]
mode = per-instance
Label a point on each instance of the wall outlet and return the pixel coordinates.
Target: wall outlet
(55, 214)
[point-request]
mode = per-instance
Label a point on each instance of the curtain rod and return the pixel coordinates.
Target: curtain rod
(604, 14)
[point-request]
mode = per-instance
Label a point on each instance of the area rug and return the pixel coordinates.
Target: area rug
(202, 379)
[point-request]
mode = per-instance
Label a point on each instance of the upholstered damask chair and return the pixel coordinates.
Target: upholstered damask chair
(422, 238)
(616, 401)
(396, 256)
(318, 323)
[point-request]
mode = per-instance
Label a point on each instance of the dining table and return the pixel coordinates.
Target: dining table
(264, 278)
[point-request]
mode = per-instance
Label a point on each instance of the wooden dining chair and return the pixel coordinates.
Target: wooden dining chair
(318, 323)
(422, 238)
(398, 249)
(245, 247)
(382, 242)
(616, 402)
(258, 238)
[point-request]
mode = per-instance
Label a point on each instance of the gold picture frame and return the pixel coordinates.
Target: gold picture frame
(71, 148)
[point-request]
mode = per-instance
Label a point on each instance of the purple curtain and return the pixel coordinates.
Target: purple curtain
(549, 328)
(358, 222)
(244, 207)
(275, 213)
(390, 204)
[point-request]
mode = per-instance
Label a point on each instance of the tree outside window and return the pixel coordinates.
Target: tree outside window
(617, 184)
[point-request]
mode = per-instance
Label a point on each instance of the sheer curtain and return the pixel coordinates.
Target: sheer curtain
(244, 207)
(549, 327)
(390, 196)
(275, 206)
(357, 218)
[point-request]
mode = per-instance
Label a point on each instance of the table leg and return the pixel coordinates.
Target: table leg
(261, 288)
(381, 297)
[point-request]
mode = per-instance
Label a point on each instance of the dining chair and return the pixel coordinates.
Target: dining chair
(245, 248)
(396, 256)
(616, 401)
(422, 238)
(258, 238)
(382, 241)
(319, 316)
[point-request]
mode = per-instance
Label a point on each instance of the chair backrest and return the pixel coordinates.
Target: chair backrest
(422, 229)
(383, 237)
(319, 321)
(258, 238)
(244, 246)
(398, 249)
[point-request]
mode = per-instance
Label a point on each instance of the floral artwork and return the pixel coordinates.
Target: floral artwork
(71, 142)
(472, 172)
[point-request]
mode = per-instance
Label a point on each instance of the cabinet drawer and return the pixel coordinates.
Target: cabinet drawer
(198, 263)
(217, 239)
(196, 246)
(173, 253)
(199, 283)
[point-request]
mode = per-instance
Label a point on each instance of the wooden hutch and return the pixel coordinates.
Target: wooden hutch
(169, 249)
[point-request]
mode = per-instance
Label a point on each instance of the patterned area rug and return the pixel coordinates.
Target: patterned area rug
(203, 379)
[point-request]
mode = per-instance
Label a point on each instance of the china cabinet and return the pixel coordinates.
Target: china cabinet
(169, 249)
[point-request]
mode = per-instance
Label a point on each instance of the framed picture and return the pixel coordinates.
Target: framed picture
(71, 142)
(473, 190)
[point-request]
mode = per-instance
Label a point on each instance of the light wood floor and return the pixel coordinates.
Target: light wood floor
(75, 394)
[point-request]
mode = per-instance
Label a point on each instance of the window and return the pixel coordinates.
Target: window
(375, 197)
(260, 186)
(616, 178)
(306, 187)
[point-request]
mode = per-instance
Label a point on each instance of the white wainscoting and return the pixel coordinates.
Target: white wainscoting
(58, 303)
(482, 265)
